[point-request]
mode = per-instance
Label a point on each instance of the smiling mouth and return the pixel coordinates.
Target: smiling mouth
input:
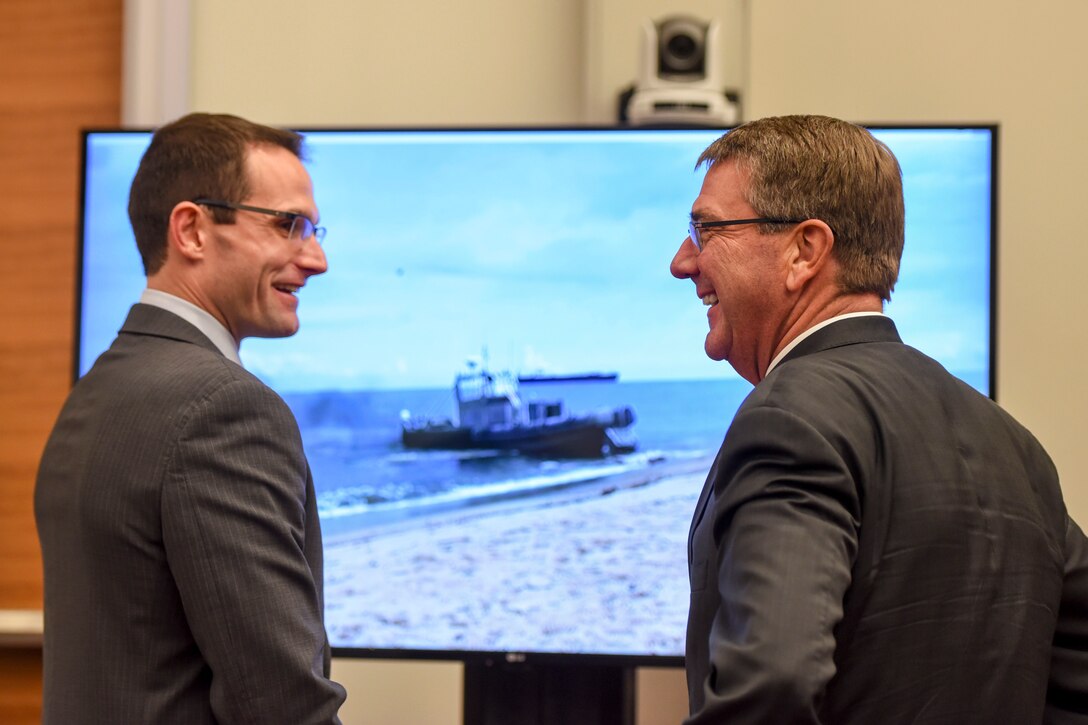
(710, 299)
(287, 288)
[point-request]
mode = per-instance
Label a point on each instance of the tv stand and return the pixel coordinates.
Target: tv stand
(499, 693)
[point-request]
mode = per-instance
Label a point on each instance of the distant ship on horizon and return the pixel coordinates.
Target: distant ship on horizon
(542, 377)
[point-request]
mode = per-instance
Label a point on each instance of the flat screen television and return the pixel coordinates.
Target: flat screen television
(528, 268)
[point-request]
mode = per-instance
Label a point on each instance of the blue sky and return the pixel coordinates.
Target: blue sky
(544, 250)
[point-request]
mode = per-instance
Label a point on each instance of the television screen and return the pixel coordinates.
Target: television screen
(501, 390)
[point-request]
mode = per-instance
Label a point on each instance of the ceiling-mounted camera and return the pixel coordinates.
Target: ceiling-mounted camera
(681, 49)
(678, 81)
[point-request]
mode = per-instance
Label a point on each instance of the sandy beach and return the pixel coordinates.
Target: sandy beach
(601, 568)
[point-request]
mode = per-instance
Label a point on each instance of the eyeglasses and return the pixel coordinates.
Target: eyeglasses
(694, 227)
(297, 226)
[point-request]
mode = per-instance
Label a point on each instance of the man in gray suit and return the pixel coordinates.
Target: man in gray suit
(175, 506)
(876, 542)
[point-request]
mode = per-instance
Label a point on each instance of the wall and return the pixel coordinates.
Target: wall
(384, 63)
(61, 71)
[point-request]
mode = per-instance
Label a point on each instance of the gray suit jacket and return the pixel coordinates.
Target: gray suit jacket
(878, 543)
(181, 543)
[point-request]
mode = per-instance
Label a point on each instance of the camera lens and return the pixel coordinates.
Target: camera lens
(681, 46)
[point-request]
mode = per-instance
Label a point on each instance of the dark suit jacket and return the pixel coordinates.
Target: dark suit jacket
(878, 543)
(181, 544)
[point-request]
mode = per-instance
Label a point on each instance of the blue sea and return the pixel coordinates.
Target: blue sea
(364, 476)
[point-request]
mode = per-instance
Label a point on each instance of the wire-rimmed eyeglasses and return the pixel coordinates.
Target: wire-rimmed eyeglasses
(297, 226)
(694, 227)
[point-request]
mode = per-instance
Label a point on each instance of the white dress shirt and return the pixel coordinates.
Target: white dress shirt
(199, 318)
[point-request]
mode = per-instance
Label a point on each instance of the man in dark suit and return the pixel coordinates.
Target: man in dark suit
(175, 506)
(876, 542)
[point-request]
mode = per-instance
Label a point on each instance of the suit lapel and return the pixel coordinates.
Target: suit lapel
(701, 506)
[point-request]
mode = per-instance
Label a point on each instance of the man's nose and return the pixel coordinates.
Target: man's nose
(312, 257)
(683, 262)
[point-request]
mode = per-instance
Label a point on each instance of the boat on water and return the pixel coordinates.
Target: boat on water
(492, 414)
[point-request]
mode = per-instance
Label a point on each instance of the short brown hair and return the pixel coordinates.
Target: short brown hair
(200, 155)
(815, 167)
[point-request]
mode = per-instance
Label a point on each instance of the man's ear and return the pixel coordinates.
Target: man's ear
(187, 234)
(809, 252)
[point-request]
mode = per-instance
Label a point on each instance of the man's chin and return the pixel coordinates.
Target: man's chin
(714, 349)
(284, 329)
(282, 332)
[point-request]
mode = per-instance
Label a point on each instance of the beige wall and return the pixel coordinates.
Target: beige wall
(340, 62)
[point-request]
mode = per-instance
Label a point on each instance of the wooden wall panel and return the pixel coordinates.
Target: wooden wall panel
(60, 72)
(20, 684)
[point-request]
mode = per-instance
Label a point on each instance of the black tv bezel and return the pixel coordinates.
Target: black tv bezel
(490, 658)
